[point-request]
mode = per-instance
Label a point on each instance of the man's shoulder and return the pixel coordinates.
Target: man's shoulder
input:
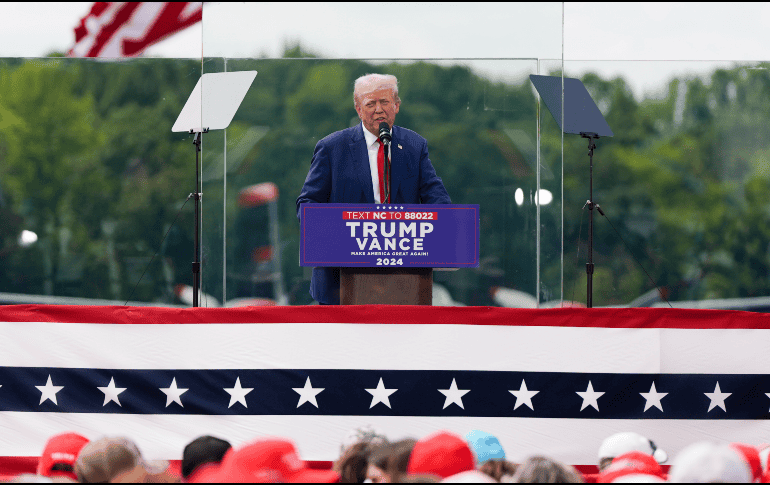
(342, 136)
(408, 136)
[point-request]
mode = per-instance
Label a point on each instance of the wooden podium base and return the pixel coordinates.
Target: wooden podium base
(386, 286)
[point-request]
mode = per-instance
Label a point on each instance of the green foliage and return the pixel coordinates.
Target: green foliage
(89, 163)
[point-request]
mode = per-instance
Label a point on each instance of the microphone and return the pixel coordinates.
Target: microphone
(385, 139)
(385, 134)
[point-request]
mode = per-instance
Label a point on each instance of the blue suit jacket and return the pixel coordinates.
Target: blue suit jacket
(340, 173)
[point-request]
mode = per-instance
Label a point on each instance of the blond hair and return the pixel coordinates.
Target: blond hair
(372, 82)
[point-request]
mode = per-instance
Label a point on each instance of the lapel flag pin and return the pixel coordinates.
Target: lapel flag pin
(399, 147)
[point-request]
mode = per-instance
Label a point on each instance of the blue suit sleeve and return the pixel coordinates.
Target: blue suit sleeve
(432, 190)
(318, 184)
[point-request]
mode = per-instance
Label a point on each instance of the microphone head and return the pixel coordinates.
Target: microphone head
(385, 132)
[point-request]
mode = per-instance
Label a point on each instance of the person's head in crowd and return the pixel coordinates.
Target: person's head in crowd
(398, 460)
(59, 455)
(751, 456)
(706, 462)
(352, 465)
(377, 464)
(471, 476)
(424, 478)
(489, 455)
(632, 466)
(622, 443)
(202, 450)
(368, 434)
(497, 469)
(539, 469)
(442, 454)
(118, 460)
(265, 460)
(356, 447)
(485, 447)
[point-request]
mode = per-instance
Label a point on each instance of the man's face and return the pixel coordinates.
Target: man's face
(375, 107)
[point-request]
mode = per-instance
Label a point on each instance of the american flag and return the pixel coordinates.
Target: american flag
(553, 382)
(125, 29)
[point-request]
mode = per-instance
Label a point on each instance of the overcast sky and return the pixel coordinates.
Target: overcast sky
(610, 38)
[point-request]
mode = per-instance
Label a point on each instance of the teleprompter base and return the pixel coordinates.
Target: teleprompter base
(386, 286)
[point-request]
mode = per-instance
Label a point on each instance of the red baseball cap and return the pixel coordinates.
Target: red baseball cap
(443, 454)
(751, 456)
(61, 449)
(633, 463)
(270, 460)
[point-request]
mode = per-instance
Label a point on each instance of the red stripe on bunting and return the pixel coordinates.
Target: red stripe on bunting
(395, 314)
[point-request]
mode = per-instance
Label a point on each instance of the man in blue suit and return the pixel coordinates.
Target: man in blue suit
(347, 167)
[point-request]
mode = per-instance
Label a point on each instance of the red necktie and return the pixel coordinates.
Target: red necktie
(381, 170)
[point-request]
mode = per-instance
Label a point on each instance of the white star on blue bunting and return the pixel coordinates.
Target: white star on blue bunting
(590, 397)
(174, 393)
(454, 395)
(653, 398)
(524, 396)
(380, 394)
(111, 393)
(308, 393)
(48, 391)
(238, 393)
(717, 398)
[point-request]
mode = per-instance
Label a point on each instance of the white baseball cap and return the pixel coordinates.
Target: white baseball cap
(622, 443)
(706, 462)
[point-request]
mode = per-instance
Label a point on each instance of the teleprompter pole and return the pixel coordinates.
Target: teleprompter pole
(196, 264)
(590, 204)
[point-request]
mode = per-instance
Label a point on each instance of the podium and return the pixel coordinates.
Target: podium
(387, 253)
(386, 286)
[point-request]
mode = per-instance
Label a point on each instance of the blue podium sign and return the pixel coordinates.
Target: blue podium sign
(405, 235)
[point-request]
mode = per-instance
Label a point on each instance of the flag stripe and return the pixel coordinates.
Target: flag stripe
(107, 32)
(121, 29)
(418, 393)
(399, 314)
(329, 346)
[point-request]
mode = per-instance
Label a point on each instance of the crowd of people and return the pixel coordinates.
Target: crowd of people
(367, 456)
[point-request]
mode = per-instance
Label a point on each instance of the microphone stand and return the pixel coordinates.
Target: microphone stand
(386, 174)
(385, 138)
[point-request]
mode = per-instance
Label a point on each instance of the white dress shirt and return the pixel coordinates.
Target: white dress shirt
(373, 147)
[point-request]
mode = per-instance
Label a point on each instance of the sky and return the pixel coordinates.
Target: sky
(646, 43)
